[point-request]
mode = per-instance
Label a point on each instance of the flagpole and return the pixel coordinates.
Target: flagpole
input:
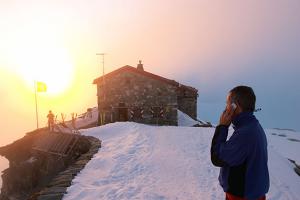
(36, 105)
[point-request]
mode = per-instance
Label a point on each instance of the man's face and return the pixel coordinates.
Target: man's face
(229, 101)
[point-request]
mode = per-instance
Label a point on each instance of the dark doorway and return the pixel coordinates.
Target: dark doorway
(123, 112)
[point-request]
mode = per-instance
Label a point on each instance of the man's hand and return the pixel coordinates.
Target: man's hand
(226, 117)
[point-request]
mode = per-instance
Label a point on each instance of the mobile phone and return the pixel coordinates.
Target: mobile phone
(233, 106)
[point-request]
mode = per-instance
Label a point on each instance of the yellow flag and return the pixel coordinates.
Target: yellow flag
(41, 87)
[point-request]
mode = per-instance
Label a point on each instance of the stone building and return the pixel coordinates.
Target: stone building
(132, 94)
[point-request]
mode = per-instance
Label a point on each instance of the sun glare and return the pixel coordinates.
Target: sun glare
(51, 66)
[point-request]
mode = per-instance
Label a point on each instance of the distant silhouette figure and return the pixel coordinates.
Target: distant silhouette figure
(89, 113)
(74, 116)
(50, 117)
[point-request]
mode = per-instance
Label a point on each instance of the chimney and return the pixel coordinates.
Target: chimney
(140, 66)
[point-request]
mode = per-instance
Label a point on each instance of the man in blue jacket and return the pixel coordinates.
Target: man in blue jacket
(243, 158)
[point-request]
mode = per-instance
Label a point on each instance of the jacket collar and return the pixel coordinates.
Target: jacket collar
(242, 118)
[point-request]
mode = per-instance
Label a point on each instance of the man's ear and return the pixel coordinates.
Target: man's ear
(238, 109)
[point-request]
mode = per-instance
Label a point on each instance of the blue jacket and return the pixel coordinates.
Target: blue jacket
(243, 158)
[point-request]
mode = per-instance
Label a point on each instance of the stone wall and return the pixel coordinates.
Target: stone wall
(57, 187)
(30, 170)
(187, 102)
(125, 92)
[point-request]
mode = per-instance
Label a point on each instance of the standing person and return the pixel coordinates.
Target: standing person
(74, 116)
(50, 117)
(243, 157)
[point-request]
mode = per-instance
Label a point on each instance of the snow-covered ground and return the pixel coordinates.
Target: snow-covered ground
(91, 117)
(185, 120)
(286, 143)
(139, 161)
(83, 120)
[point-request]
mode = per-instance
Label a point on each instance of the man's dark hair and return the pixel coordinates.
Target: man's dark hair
(245, 97)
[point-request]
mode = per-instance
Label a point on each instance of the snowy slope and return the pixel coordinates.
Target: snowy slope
(148, 162)
(285, 142)
(185, 120)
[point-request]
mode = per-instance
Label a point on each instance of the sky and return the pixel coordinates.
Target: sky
(211, 45)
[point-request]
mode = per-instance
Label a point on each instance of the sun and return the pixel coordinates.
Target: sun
(51, 65)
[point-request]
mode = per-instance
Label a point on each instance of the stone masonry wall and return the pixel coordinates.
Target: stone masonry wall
(57, 187)
(138, 91)
(30, 170)
(187, 102)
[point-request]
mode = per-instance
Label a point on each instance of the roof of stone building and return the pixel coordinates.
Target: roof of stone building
(128, 68)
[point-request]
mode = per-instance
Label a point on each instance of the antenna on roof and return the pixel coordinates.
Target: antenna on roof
(102, 54)
(101, 114)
